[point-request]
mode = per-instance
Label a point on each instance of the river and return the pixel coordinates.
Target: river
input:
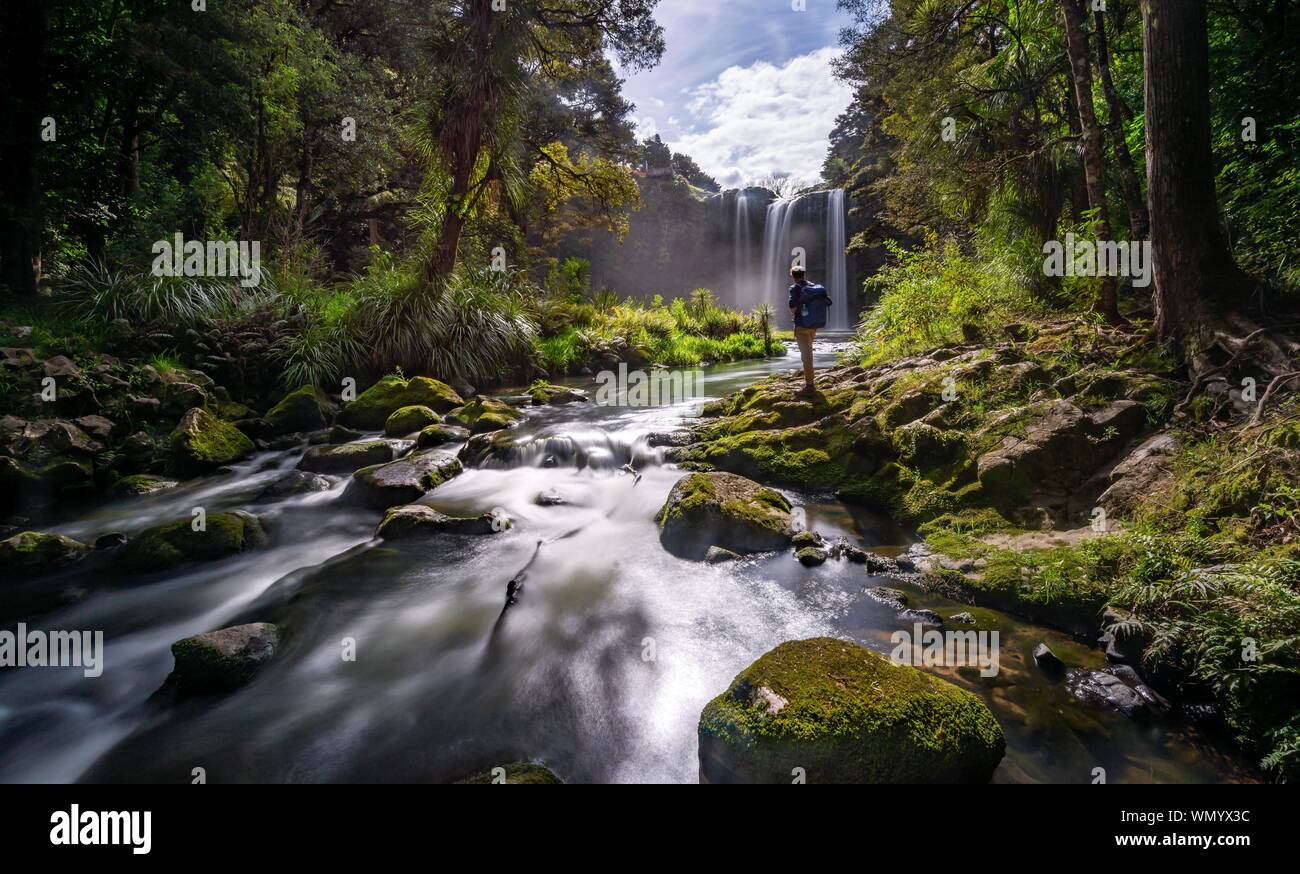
(600, 670)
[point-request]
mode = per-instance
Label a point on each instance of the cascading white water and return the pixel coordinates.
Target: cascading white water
(836, 282)
(819, 215)
(745, 296)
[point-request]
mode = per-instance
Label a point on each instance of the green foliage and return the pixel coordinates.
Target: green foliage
(931, 294)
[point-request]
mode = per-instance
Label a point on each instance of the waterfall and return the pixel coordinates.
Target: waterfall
(744, 294)
(836, 282)
(815, 223)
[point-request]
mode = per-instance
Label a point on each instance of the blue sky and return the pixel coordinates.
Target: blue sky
(745, 86)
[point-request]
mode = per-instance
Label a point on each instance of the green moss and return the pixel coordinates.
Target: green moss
(303, 409)
(31, 553)
(140, 484)
(408, 420)
(849, 715)
(202, 441)
(176, 543)
(482, 415)
(373, 406)
(516, 773)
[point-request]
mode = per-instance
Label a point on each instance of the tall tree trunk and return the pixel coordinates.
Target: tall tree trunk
(462, 138)
(1077, 47)
(1139, 225)
(1190, 257)
(23, 104)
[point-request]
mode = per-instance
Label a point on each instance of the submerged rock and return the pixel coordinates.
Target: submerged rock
(718, 555)
(373, 406)
(722, 509)
(347, 457)
(810, 556)
(419, 520)
(924, 617)
(402, 481)
(844, 714)
(295, 482)
(1048, 661)
(223, 660)
(545, 393)
(303, 409)
(202, 442)
(518, 773)
(887, 596)
(1118, 688)
(176, 543)
(140, 484)
(35, 553)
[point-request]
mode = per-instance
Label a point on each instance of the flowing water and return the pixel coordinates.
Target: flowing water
(600, 670)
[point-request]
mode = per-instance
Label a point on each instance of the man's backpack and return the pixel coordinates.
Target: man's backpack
(813, 304)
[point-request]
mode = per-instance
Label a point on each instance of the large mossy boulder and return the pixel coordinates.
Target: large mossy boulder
(400, 482)
(223, 660)
(845, 714)
(202, 442)
(35, 553)
(176, 543)
(373, 406)
(303, 409)
(515, 773)
(437, 435)
(347, 457)
(408, 420)
(483, 415)
(726, 510)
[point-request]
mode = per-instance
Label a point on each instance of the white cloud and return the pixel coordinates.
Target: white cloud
(765, 118)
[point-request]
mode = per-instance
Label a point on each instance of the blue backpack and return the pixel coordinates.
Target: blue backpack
(813, 304)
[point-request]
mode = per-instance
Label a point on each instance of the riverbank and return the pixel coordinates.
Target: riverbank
(1182, 561)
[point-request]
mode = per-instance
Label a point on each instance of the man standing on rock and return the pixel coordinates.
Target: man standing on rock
(808, 305)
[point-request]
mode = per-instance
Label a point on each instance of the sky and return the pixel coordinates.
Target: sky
(745, 86)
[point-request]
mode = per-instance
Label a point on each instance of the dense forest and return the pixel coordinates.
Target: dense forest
(381, 248)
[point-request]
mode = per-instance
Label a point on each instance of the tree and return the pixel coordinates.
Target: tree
(685, 167)
(23, 26)
(1190, 258)
(1117, 115)
(487, 63)
(1094, 173)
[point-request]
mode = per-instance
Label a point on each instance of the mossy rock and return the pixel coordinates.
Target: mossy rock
(408, 420)
(223, 660)
(373, 406)
(140, 484)
(722, 509)
(437, 435)
(515, 773)
(202, 442)
(483, 415)
(303, 409)
(545, 393)
(400, 482)
(845, 714)
(177, 543)
(346, 457)
(34, 553)
(418, 520)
